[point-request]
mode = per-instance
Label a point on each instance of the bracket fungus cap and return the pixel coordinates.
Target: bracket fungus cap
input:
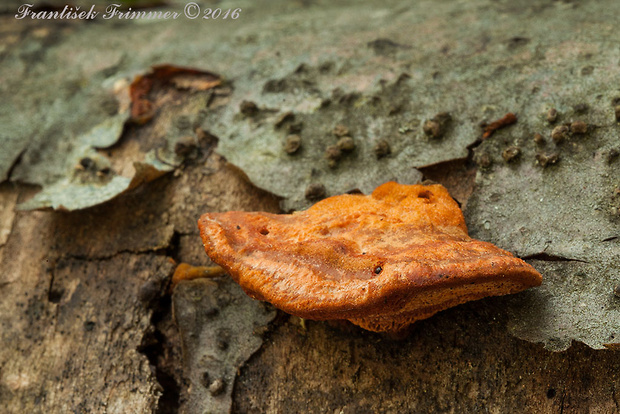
(381, 261)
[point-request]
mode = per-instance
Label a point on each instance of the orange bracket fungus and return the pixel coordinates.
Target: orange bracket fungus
(186, 271)
(380, 261)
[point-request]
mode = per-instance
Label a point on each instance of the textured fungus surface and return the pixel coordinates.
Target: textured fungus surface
(381, 261)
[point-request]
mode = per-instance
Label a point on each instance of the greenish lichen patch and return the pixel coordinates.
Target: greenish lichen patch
(565, 217)
(221, 328)
(576, 302)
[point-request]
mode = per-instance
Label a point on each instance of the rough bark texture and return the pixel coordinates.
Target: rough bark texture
(86, 316)
(93, 334)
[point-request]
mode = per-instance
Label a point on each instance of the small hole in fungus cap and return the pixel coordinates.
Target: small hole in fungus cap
(425, 194)
(264, 231)
(550, 393)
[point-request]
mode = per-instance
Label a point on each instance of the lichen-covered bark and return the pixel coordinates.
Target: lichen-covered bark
(221, 328)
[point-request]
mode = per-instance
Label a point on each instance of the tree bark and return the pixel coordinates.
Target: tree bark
(88, 319)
